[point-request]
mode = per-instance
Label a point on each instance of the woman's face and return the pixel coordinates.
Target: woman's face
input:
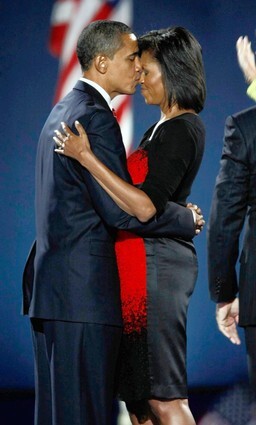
(152, 88)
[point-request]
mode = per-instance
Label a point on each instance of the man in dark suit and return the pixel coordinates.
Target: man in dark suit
(233, 205)
(71, 286)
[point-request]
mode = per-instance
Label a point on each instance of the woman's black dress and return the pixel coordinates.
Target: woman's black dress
(158, 275)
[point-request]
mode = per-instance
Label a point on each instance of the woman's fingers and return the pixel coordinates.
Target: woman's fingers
(58, 141)
(60, 144)
(80, 129)
(68, 133)
(66, 129)
(61, 138)
(69, 143)
(83, 135)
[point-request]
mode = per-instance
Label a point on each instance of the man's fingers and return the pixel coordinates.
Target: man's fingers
(230, 332)
(235, 340)
(200, 222)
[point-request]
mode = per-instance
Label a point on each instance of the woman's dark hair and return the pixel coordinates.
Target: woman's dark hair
(100, 37)
(180, 58)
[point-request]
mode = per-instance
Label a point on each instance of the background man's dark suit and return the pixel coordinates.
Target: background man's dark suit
(233, 204)
(235, 198)
(74, 277)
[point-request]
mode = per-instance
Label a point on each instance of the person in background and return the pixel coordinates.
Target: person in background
(157, 275)
(233, 209)
(246, 60)
(71, 287)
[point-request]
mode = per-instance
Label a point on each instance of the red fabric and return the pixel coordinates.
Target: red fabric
(131, 260)
(57, 36)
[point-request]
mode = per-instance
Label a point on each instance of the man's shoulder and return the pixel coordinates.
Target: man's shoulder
(89, 94)
(244, 120)
(245, 113)
(82, 97)
(84, 102)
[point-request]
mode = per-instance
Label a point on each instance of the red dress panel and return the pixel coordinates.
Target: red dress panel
(133, 290)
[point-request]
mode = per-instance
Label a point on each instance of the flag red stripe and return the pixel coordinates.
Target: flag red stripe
(103, 12)
(56, 39)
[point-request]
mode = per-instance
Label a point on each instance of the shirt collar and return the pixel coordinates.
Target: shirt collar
(99, 89)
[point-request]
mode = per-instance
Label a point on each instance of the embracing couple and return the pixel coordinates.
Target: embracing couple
(108, 280)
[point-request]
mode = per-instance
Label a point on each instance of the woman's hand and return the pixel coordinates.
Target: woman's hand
(73, 145)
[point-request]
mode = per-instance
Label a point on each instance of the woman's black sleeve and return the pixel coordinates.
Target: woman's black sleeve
(170, 155)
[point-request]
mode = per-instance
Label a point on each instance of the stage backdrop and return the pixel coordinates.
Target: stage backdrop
(28, 82)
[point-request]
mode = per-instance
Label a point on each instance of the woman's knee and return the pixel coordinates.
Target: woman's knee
(165, 408)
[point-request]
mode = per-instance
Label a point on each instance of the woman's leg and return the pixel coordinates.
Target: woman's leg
(172, 412)
(135, 421)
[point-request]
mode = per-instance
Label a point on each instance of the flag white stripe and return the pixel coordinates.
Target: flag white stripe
(123, 12)
(126, 126)
(62, 11)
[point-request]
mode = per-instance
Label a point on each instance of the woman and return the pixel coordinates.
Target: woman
(157, 275)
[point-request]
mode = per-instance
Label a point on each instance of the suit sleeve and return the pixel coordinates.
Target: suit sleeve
(227, 214)
(106, 142)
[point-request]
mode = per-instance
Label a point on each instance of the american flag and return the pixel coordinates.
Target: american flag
(68, 19)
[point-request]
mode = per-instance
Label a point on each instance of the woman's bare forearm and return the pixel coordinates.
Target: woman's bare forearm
(129, 198)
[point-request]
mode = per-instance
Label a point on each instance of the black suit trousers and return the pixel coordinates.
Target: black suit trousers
(75, 368)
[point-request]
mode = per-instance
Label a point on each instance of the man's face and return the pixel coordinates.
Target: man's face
(124, 69)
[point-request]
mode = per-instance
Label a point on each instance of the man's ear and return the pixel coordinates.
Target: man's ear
(101, 63)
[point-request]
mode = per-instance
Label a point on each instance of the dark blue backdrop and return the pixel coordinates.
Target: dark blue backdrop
(28, 75)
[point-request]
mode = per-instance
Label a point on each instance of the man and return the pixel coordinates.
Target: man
(234, 202)
(71, 287)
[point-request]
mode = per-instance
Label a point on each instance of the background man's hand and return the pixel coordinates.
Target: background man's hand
(246, 58)
(227, 316)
